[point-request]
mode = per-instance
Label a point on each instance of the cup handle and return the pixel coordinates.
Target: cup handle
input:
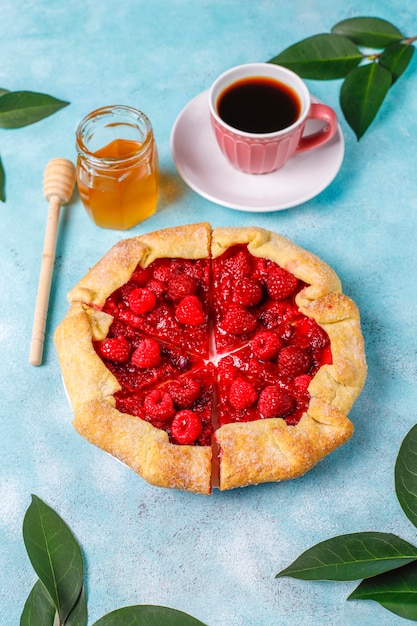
(326, 114)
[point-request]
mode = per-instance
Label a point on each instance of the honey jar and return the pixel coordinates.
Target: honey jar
(117, 166)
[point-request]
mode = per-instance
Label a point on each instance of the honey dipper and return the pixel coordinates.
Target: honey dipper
(58, 185)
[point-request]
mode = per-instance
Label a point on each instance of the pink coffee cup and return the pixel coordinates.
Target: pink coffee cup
(258, 112)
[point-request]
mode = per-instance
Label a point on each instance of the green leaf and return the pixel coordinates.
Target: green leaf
(371, 32)
(150, 615)
(396, 58)
(54, 554)
(321, 57)
(352, 557)
(20, 108)
(2, 183)
(362, 94)
(79, 614)
(406, 475)
(395, 591)
(39, 608)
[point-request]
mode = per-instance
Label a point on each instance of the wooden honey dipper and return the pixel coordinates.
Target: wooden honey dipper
(58, 185)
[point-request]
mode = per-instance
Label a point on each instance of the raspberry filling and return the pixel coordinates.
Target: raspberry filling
(182, 407)
(250, 294)
(269, 377)
(158, 344)
(167, 300)
(146, 361)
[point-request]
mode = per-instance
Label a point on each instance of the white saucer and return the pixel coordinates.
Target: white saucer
(203, 167)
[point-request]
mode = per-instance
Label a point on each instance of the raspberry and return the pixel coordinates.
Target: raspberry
(184, 392)
(281, 284)
(286, 332)
(147, 354)
(114, 349)
(239, 264)
(292, 313)
(184, 266)
(125, 291)
(157, 287)
(162, 271)
(190, 311)
(293, 361)
(266, 345)
(227, 369)
(247, 291)
(186, 427)
(309, 333)
(273, 314)
(242, 394)
(300, 386)
(262, 266)
(130, 404)
(274, 402)
(180, 361)
(158, 404)
(238, 320)
(141, 275)
(110, 307)
(181, 286)
(142, 300)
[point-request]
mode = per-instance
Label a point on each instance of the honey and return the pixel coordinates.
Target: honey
(117, 167)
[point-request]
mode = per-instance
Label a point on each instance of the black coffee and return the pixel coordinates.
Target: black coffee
(258, 105)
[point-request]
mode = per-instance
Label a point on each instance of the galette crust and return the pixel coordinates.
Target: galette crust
(253, 452)
(269, 450)
(266, 244)
(85, 375)
(144, 448)
(191, 241)
(341, 382)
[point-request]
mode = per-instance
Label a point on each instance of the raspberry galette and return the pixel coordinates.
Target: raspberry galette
(208, 357)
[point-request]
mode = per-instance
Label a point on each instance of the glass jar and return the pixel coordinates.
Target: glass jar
(117, 166)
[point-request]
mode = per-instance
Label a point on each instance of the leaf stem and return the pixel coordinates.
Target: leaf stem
(375, 55)
(409, 40)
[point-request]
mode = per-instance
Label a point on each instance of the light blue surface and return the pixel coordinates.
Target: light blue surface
(213, 557)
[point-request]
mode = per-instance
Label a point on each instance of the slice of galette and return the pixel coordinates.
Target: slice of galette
(150, 320)
(303, 368)
(131, 351)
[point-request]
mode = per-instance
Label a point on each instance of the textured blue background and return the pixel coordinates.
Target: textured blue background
(215, 558)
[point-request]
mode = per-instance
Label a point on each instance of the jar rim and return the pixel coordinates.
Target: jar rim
(106, 113)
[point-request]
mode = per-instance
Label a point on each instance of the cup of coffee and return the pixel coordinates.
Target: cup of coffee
(258, 112)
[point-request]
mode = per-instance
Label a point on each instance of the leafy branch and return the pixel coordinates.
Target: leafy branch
(369, 53)
(21, 108)
(58, 597)
(386, 563)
